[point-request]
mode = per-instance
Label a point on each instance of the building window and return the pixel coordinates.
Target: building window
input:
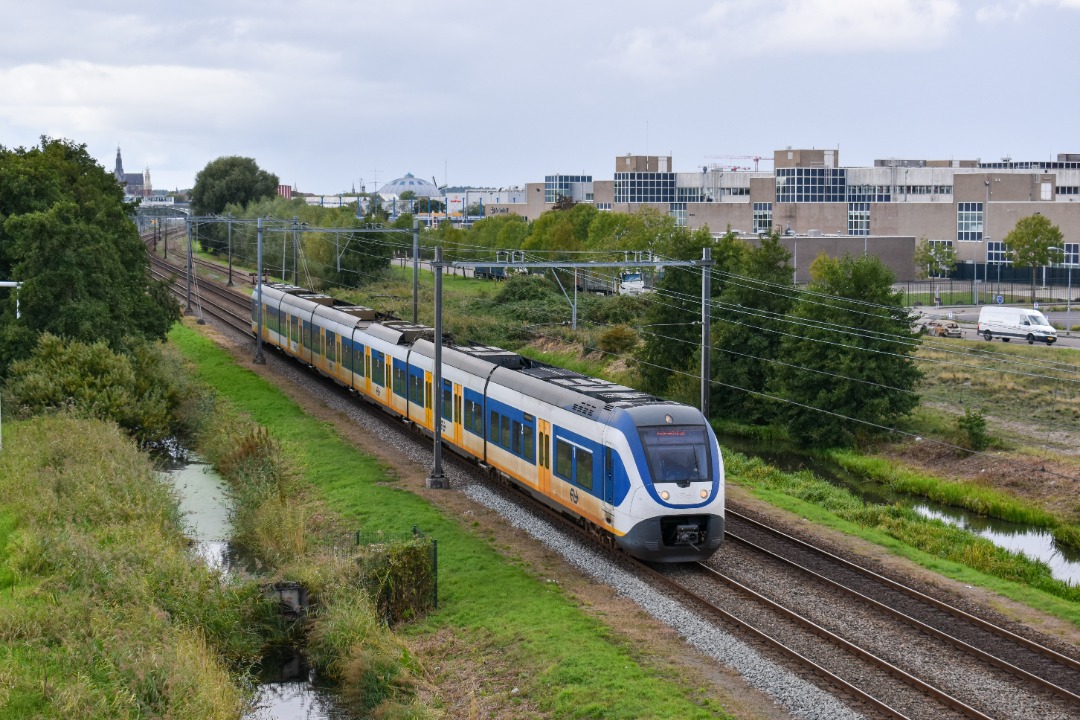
(575, 187)
(938, 272)
(969, 221)
(798, 185)
(642, 187)
(677, 210)
(762, 217)
(1072, 254)
(858, 218)
(1068, 190)
(997, 253)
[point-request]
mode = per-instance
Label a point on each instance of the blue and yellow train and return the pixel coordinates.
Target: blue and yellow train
(644, 473)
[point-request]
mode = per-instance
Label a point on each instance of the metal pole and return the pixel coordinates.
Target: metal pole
(189, 267)
(295, 250)
(1068, 304)
(437, 480)
(415, 268)
(284, 248)
(573, 315)
(230, 251)
(259, 359)
(706, 345)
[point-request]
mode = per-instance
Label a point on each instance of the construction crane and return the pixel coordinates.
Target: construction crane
(755, 158)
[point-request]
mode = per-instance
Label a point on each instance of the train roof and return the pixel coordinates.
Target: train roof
(604, 392)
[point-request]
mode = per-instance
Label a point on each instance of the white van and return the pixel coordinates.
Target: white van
(1011, 322)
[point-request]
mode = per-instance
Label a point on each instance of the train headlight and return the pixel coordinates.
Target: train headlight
(704, 493)
(664, 494)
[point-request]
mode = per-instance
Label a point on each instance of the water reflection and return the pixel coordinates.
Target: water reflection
(206, 509)
(1036, 543)
(289, 690)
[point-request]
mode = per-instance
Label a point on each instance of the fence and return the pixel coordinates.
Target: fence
(951, 291)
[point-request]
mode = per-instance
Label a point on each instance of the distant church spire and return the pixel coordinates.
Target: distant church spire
(119, 171)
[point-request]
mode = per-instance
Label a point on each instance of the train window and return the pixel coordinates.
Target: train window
(400, 381)
(676, 453)
(478, 419)
(564, 459)
(506, 437)
(427, 394)
(530, 441)
(358, 359)
(330, 353)
(516, 443)
(493, 427)
(448, 401)
(583, 465)
(378, 369)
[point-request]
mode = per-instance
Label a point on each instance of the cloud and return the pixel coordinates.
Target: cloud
(732, 29)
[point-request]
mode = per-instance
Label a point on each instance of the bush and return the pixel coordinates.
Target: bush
(619, 340)
(133, 390)
(972, 430)
(526, 288)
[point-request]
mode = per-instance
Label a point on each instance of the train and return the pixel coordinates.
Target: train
(644, 474)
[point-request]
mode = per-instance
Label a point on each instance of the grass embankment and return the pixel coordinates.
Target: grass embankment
(977, 498)
(103, 611)
(493, 614)
(933, 544)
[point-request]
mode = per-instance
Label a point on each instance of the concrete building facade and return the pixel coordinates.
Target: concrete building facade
(817, 203)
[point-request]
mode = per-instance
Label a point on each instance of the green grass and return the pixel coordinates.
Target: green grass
(103, 612)
(483, 597)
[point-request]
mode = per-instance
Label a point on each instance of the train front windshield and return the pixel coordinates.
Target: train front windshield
(677, 453)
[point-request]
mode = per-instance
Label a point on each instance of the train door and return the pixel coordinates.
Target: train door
(367, 371)
(294, 334)
(457, 427)
(543, 465)
(609, 484)
(429, 410)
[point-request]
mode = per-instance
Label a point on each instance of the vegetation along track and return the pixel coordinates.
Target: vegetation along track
(915, 665)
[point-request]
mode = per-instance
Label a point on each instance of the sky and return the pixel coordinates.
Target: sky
(337, 94)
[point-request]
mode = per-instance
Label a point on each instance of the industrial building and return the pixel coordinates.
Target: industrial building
(820, 205)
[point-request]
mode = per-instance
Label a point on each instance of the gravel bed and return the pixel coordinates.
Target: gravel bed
(797, 696)
(966, 678)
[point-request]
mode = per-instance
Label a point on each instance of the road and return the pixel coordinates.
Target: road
(967, 317)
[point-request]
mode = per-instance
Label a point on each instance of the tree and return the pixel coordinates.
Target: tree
(1030, 242)
(67, 235)
(229, 180)
(748, 328)
(673, 331)
(934, 260)
(847, 355)
(563, 202)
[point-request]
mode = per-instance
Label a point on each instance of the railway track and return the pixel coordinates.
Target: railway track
(902, 663)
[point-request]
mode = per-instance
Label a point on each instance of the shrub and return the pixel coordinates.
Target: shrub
(619, 340)
(972, 429)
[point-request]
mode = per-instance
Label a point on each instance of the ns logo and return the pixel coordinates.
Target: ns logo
(574, 495)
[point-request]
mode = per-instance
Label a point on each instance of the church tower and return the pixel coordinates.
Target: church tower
(119, 171)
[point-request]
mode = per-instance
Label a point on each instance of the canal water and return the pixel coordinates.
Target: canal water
(288, 689)
(1036, 543)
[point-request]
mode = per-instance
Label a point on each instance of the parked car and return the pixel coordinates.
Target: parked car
(942, 328)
